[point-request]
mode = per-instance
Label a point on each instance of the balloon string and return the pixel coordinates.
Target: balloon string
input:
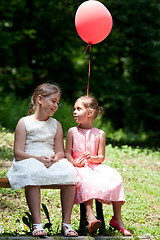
(89, 45)
(86, 48)
(89, 66)
(89, 73)
(89, 69)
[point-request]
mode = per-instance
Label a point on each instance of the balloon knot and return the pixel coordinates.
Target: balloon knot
(89, 45)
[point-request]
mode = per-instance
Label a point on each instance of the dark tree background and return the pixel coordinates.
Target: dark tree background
(39, 42)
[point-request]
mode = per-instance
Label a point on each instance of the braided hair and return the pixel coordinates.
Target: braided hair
(45, 90)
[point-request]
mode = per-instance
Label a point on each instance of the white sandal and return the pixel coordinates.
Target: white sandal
(69, 229)
(37, 228)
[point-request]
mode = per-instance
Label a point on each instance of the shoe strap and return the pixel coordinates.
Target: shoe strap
(38, 226)
(125, 231)
(69, 228)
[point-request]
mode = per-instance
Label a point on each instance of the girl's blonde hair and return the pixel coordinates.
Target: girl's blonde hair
(90, 103)
(45, 90)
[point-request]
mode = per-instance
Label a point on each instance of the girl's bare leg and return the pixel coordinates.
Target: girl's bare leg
(67, 201)
(89, 211)
(34, 200)
(117, 213)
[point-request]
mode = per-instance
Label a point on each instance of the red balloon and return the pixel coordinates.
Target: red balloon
(93, 21)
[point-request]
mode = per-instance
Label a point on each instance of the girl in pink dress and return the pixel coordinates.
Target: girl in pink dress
(85, 148)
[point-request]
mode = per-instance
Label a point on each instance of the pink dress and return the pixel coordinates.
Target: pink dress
(98, 181)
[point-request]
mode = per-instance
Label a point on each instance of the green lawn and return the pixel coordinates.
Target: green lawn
(139, 168)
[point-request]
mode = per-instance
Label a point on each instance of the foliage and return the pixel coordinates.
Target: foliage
(6, 145)
(12, 109)
(27, 220)
(39, 43)
(49, 224)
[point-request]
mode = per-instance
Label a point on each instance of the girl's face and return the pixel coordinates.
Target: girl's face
(50, 104)
(79, 112)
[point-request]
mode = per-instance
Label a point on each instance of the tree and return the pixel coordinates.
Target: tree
(128, 65)
(39, 42)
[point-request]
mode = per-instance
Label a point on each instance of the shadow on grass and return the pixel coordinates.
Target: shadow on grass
(151, 143)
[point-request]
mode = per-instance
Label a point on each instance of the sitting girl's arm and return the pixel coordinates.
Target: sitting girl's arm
(58, 144)
(19, 144)
(101, 150)
(68, 153)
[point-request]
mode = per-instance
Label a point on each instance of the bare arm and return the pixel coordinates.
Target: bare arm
(19, 144)
(101, 151)
(68, 153)
(59, 146)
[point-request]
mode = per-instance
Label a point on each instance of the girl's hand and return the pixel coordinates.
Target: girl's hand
(87, 155)
(79, 162)
(54, 159)
(93, 159)
(45, 160)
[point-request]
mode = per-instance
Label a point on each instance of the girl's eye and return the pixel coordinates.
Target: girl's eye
(78, 109)
(55, 102)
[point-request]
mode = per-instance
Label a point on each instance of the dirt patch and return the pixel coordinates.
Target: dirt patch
(5, 164)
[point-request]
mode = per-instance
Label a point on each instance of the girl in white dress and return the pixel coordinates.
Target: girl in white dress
(39, 158)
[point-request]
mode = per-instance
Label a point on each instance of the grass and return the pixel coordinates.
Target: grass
(139, 167)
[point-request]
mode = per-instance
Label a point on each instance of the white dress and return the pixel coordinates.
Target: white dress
(40, 142)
